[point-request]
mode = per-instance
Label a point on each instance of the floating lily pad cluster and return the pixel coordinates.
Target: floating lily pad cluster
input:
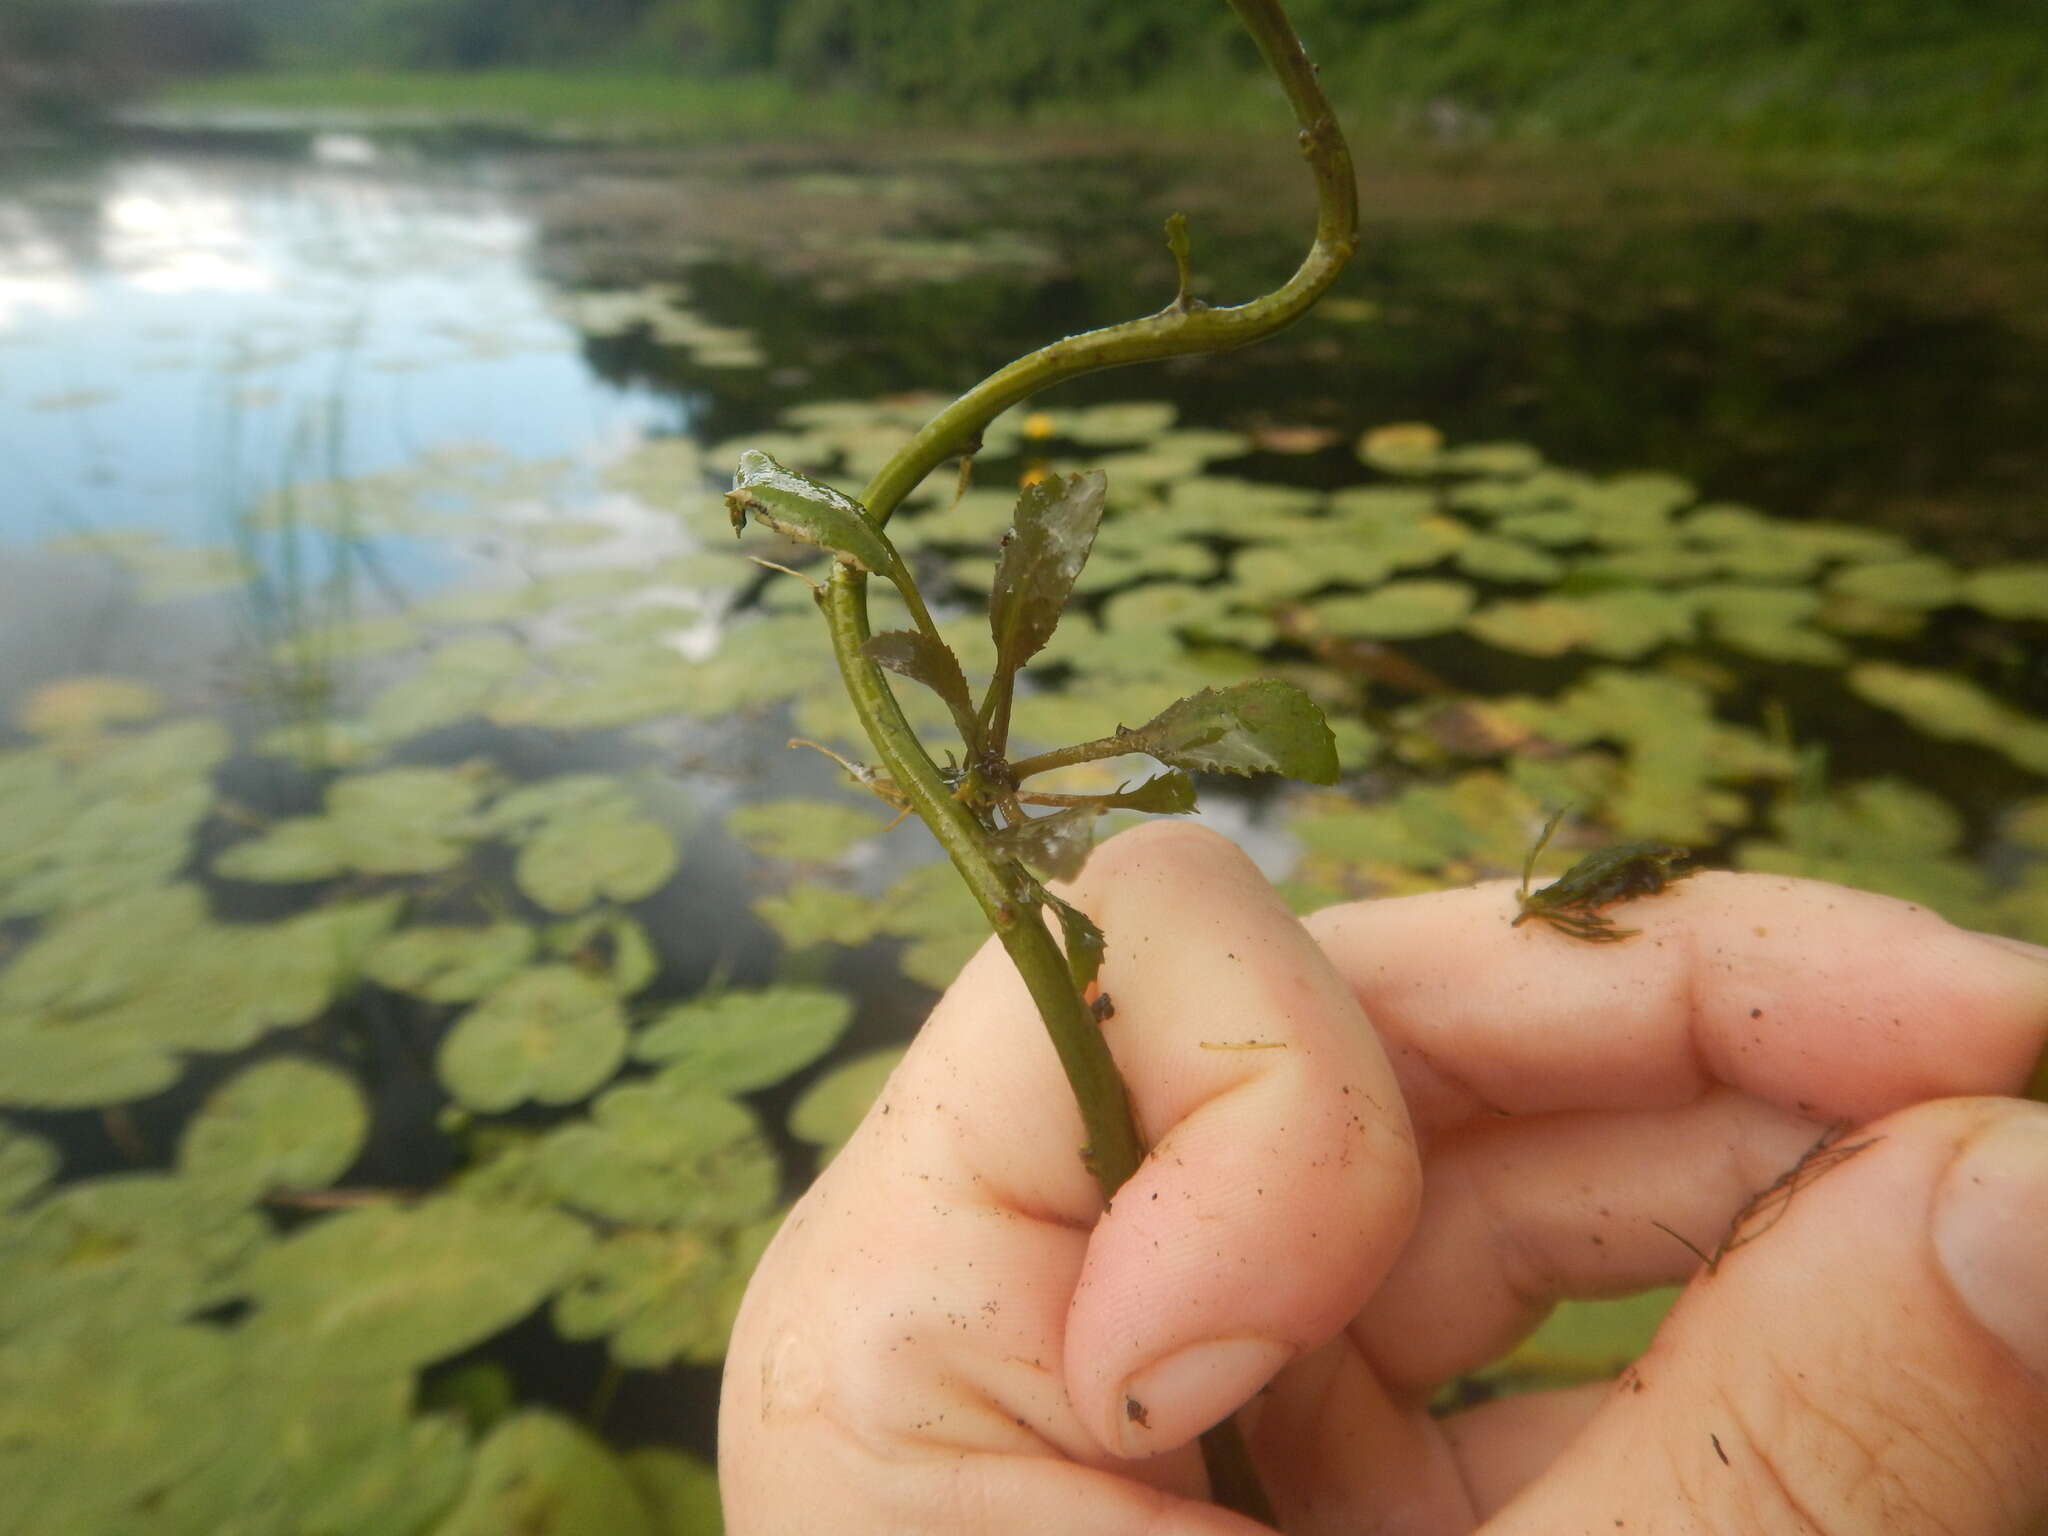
(249, 1326)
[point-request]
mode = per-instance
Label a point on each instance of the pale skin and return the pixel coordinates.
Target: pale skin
(1452, 1123)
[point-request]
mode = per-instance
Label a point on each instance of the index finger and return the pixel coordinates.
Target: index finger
(1833, 1003)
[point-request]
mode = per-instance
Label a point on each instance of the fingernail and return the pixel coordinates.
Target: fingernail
(1991, 1231)
(1174, 1399)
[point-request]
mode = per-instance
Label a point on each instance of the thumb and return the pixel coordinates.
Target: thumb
(1877, 1360)
(1282, 1178)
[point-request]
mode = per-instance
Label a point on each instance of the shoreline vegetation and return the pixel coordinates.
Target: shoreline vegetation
(618, 106)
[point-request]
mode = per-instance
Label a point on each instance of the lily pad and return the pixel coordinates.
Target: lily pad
(682, 1491)
(573, 862)
(450, 964)
(809, 913)
(82, 706)
(552, 1034)
(2018, 591)
(540, 1475)
(653, 1296)
(382, 1288)
(520, 812)
(736, 1041)
(608, 945)
(1915, 583)
(286, 1123)
(806, 831)
(1952, 709)
(27, 1163)
(663, 1154)
(1399, 610)
(832, 1108)
(401, 821)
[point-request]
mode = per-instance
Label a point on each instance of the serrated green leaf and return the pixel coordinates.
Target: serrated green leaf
(1265, 726)
(573, 862)
(809, 511)
(286, 1123)
(832, 1108)
(1084, 943)
(448, 964)
(552, 1034)
(1050, 536)
(382, 1288)
(738, 1041)
(1166, 794)
(662, 1154)
(918, 656)
(540, 1475)
(1056, 844)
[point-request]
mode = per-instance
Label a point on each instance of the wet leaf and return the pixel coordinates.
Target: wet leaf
(737, 1041)
(809, 511)
(917, 656)
(1050, 536)
(540, 1475)
(654, 1296)
(1258, 727)
(552, 1034)
(662, 1154)
(571, 863)
(1056, 844)
(286, 1123)
(832, 1108)
(382, 1288)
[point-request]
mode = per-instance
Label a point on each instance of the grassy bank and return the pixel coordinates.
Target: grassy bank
(1918, 118)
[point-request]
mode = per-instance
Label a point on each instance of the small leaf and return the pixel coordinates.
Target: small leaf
(663, 1154)
(1085, 943)
(1057, 844)
(800, 508)
(917, 656)
(1167, 794)
(1263, 726)
(1048, 543)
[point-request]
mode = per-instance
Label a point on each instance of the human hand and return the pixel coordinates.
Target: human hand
(949, 1331)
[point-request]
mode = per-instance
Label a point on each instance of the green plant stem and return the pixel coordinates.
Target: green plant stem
(1005, 893)
(1066, 757)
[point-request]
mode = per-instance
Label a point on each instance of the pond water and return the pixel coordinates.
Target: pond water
(401, 870)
